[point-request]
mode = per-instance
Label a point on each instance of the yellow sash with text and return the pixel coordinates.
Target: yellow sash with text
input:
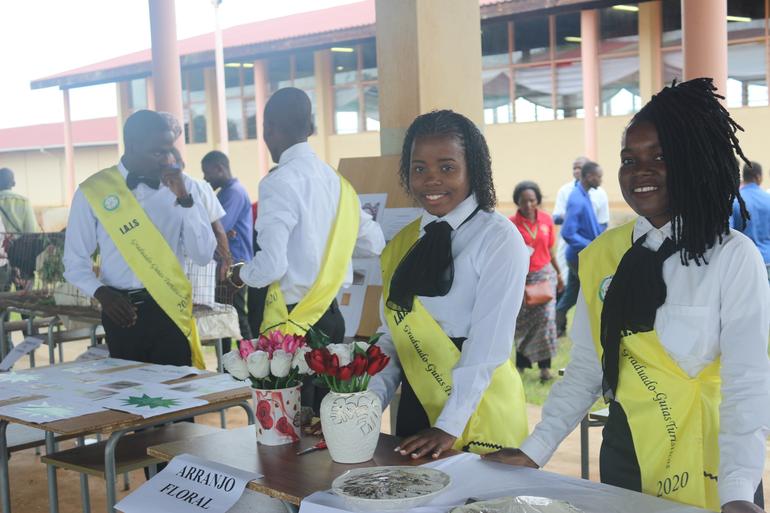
(428, 356)
(334, 268)
(674, 418)
(145, 251)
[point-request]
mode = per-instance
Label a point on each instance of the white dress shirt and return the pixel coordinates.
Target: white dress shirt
(214, 209)
(491, 263)
(297, 209)
(719, 309)
(187, 230)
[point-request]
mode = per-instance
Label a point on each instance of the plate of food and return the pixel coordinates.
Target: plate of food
(521, 504)
(390, 488)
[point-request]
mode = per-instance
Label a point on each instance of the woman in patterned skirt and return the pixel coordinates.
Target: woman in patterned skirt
(536, 323)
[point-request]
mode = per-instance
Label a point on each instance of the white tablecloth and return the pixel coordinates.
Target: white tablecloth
(472, 477)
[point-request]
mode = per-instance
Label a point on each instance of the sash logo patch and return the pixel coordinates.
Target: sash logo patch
(604, 286)
(111, 202)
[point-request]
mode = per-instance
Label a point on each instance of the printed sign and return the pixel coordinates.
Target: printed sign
(189, 484)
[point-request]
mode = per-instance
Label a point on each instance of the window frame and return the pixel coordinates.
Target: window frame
(244, 99)
(360, 84)
(187, 102)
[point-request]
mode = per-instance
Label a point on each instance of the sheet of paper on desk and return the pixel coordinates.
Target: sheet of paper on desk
(189, 484)
(28, 345)
(45, 410)
(150, 401)
(374, 204)
(152, 373)
(396, 218)
(474, 477)
(209, 385)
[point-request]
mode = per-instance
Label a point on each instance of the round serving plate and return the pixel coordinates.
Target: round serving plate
(390, 488)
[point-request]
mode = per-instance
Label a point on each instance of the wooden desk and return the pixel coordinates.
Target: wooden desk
(116, 423)
(286, 476)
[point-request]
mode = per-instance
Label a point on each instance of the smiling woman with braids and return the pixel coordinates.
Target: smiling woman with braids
(452, 281)
(672, 323)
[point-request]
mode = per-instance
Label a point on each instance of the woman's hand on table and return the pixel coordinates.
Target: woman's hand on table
(511, 457)
(431, 441)
(741, 507)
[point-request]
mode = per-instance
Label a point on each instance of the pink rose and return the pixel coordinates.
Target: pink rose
(246, 347)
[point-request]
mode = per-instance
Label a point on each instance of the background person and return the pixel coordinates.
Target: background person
(536, 324)
(757, 202)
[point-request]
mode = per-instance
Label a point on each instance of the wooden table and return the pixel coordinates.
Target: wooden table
(115, 423)
(286, 476)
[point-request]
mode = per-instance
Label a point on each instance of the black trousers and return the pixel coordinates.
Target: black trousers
(333, 324)
(412, 417)
(239, 303)
(255, 306)
(153, 339)
(618, 463)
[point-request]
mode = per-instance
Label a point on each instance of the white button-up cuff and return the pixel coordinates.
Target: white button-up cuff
(537, 450)
(736, 490)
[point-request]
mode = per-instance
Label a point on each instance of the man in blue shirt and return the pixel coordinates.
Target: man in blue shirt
(758, 204)
(237, 224)
(579, 230)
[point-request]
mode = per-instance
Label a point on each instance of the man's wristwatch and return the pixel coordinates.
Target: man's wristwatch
(185, 201)
(230, 273)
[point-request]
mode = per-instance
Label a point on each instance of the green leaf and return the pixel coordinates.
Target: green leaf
(375, 338)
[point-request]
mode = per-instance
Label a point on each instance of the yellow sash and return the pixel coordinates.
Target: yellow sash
(427, 356)
(145, 250)
(334, 267)
(674, 419)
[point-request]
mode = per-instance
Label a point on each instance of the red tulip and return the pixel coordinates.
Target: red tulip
(374, 351)
(345, 373)
(359, 364)
(316, 360)
(377, 364)
(332, 364)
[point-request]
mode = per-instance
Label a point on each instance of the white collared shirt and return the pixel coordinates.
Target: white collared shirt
(297, 209)
(719, 309)
(187, 230)
(490, 266)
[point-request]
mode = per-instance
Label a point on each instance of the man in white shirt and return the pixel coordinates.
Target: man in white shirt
(297, 208)
(599, 200)
(136, 326)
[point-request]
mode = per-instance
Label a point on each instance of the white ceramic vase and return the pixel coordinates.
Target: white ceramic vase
(278, 414)
(351, 425)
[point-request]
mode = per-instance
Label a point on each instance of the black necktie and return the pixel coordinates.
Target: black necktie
(427, 269)
(133, 180)
(635, 293)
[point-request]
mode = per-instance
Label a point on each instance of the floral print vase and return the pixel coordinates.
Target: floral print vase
(351, 425)
(278, 415)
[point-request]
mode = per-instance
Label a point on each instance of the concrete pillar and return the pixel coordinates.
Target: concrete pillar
(650, 58)
(122, 98)
(151, 94)
(704, 38)
(324, 101)
(213, 128)
(69, 151)
(260, 99)
(589, 53)
(419, 46)
(166, 72)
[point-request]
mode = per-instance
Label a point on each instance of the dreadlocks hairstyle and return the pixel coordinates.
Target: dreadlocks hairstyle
(699, 142)
(477, 160)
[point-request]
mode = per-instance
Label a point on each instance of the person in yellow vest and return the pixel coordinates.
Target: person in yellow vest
(143, 219)
(453, 280)
(672, 322)
(310, 222)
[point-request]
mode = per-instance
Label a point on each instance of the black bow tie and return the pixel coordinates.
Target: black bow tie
(133, 180)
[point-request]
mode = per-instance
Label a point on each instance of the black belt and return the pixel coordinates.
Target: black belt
(137, 296)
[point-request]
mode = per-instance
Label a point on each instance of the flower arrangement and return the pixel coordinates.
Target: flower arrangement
(271, 362)
(347, 368)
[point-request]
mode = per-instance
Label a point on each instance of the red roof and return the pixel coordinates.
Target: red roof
(100, 131)
(303, 24)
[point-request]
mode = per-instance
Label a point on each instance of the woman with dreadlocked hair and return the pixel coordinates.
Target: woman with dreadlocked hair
(450, 280)
(672, 323)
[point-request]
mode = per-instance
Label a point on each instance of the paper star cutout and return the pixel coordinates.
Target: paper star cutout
(149, 402)
(46, 411)
(18, 377)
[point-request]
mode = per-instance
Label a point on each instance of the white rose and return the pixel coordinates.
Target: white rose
(280, 365)
(259, 364)
(299, 360)
(235, 365)
(343, 351)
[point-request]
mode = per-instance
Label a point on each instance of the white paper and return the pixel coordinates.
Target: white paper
(374, 204)
(396, 218)
(205, 386)
(150, 401)
(28, 345)
(351, 299)
(474, 477)
(189, 484)
(152, 373)
(49, 410)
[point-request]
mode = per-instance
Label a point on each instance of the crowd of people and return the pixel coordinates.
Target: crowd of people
(672, 310)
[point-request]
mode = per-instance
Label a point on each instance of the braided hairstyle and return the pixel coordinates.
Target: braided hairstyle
(477, 159)
(699, 143)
